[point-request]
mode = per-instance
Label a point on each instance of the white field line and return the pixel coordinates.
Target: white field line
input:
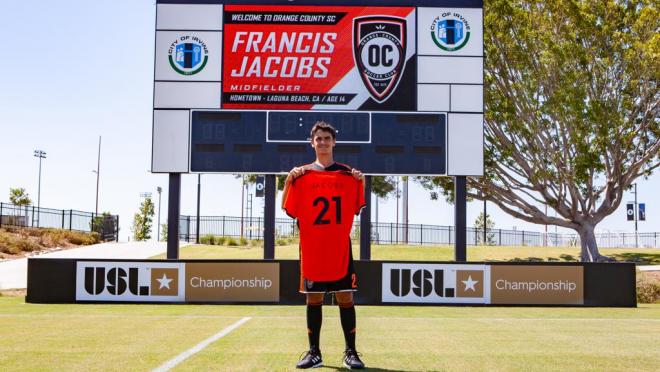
(197, 348)
(178, 317)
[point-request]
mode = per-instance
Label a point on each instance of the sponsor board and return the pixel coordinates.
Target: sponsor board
(232, 282)
(130, 281)
(330, 57)
(542, 284)
(435, 283)
(177, 282)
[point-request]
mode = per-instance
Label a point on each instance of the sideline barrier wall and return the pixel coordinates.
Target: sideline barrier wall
(380, 282)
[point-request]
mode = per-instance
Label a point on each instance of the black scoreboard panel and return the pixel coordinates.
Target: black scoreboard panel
(269, 142)
(295, 126)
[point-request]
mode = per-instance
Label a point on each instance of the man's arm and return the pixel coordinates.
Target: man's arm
(293, 174)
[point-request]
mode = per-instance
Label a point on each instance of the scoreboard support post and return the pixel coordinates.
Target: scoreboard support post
(269, 217)
(173, 211)
(460, 217)
(199, 196)
(365, 222)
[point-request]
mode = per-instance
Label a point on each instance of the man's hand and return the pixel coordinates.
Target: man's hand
(357, 174)
(295, 173)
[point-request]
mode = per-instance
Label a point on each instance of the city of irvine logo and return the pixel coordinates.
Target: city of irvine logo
(188, 55)
(379, 50)
(450, 31)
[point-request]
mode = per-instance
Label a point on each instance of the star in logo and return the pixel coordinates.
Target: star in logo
(469, 284)
(164, 282)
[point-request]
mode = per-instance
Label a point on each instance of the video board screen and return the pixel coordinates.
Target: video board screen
(304, 57)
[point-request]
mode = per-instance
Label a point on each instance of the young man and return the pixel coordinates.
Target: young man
(324, 196)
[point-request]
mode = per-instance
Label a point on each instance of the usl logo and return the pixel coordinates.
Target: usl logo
(118, 281)
(128, 281)
(435, 283)
(450, 31)
(188, 55)
(379, 50)
(424, 282)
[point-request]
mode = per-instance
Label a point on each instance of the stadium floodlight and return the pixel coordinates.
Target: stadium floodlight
(159, 190)
(41, 155)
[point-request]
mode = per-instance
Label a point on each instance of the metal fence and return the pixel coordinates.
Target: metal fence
(67, 219)
(413, 234)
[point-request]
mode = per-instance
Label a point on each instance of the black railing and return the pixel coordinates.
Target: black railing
(67, 219)
(413, 234)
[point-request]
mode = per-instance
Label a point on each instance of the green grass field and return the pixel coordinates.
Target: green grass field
(143, 337)
(428, 253)
(91, 337)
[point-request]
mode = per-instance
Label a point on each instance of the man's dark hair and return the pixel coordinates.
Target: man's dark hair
(322, 125)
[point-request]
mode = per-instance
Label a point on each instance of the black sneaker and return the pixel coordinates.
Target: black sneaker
(310, 359)
(352, 359)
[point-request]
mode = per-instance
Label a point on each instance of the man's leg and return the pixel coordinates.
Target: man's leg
(347, 316)
(312, 358)
(314, 319)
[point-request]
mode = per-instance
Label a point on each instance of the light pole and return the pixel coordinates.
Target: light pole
(98, 174)
(485, 218)
(635, 214)
(397, 209)
(41, 155)
(243, 187)
(159, 190)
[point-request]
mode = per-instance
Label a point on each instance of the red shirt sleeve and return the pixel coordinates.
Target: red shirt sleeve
(291, 201)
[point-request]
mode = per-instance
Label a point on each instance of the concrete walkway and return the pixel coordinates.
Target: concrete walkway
(13, 273)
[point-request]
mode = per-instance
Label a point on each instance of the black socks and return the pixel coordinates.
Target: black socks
(314, 320)
(347, 316)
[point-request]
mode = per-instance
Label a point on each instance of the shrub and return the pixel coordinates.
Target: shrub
(243, 241)
(207, 239)
(55, 238)
(37, 232)
(281, 241)
(648, 288)
(26, 246)
(220, 240)
(255, 243)
(231, 241)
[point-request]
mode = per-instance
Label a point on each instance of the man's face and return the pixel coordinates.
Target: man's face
(323, 142)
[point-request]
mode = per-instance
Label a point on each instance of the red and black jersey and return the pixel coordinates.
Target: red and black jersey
(324, 203)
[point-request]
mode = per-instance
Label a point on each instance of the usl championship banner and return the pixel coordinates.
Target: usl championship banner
(483, 284)
(379, 283)
(177, 282)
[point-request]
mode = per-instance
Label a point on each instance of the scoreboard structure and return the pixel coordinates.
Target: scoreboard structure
(238, 85)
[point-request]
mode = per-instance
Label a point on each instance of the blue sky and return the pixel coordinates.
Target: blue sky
(73, 70)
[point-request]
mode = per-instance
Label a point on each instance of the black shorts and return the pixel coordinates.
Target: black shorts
(346, 284)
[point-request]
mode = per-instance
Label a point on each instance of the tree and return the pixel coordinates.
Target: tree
(143, 220)
(489, 226)
(572, 109)
(19, 197)
(104, 224)
(163, 232)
